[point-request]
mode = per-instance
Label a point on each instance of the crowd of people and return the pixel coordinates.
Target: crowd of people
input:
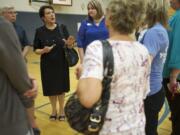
(146, 68)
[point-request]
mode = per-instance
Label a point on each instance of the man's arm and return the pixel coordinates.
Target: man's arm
(26, 50)
(12, 62)
(13, 65)
(25, 43)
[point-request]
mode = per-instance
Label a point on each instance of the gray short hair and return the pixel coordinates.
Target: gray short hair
(5, 9)
(126, 15)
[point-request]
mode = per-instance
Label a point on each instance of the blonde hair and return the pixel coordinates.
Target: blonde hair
(96, 5)
(157, 12)
(126, 15)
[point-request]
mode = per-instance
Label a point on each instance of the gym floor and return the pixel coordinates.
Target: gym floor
(42, 106)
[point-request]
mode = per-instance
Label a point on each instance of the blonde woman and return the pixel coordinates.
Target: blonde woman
(92, 28)
(125, 114)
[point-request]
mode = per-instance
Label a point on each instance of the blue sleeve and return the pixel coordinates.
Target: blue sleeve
(174, 61)
(81, 35)
(151, 42)
(25, 39)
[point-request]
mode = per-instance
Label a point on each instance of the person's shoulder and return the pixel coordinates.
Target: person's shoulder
(4, 22)
(96, 44)
(157, 32)
(61, 26)
(94, 49)
(159, 27)
(151, 30)
(141, 48)
(40, 29)
(151, 33)
(5, 26)
(86, 21)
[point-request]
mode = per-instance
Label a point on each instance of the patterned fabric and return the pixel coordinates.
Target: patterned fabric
(130, 85)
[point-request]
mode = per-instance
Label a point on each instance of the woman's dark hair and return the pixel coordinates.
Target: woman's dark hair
(42, 9)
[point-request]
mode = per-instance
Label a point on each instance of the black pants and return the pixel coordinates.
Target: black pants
(174, 105)
(152, 106)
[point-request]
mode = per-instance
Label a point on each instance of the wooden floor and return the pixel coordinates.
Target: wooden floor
(42, 106)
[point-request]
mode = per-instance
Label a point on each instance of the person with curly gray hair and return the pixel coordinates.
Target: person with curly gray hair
(130, 82)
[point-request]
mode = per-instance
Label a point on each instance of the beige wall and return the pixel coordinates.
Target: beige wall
(78, 7)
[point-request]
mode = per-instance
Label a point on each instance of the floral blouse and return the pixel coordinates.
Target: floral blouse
(130, 85)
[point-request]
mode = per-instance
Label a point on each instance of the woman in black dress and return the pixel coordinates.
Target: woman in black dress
(49, 44)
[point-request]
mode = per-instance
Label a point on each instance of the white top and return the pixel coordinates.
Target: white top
(130, 85)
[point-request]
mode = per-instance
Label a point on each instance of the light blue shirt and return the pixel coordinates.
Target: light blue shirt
(156, 41)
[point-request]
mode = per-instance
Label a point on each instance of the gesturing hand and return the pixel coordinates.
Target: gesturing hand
(70, 41)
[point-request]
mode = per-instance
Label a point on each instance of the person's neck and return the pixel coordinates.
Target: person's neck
(50, 26)
(114, 35)
(98, 20)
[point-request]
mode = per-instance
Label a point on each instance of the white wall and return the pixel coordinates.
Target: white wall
(78, 7)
